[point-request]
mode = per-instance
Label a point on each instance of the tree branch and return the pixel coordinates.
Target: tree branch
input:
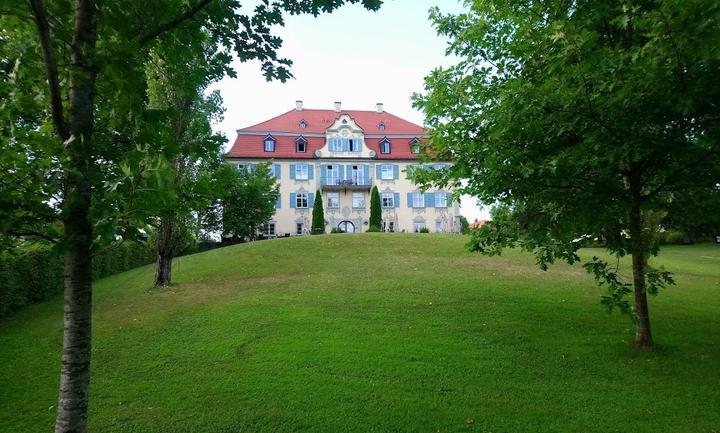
(169, 25)
(40, 15)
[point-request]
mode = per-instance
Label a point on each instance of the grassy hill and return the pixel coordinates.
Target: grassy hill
(376, 333)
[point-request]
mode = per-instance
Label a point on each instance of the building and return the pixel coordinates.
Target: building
(343, 154)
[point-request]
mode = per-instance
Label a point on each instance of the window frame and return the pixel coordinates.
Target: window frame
(415, 146)
(390, 197)
(387, 168)
(418, 199)
(299, 228)
(361, 195)
(444, 201)
(269, 139)
(301, 141)
(299, 168)
(304, 196)
(418, 225)
(266, 228)
(335, 195)
(385, 146)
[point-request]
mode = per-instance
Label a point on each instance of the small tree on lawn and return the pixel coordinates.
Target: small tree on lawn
(582, 120)
(375, 210)
(317, 226)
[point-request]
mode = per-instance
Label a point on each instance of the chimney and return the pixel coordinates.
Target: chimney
(379, 107)
(298, 105)
(337, 106)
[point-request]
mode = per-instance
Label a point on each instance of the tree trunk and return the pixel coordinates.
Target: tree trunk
(643, 336)
(163, 269)
(78, 233)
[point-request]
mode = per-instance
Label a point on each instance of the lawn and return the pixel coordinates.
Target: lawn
(376, 333)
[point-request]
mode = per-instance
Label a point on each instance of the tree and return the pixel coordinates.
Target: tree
(582, 120)
(375, 210)
(249, 202)
(464, 225)
(84, 129)
(317, 225)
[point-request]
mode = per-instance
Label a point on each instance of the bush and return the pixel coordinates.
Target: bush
(374, 229)
(672, 237)
(424, 230)
(336, 230)
(35, 275)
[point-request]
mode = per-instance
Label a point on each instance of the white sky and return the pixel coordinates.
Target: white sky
(354, 56)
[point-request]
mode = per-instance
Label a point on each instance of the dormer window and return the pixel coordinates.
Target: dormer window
(300, 144)
(415, 145)
(385, 145)
(303, 124)
(381, 126)
(269, 144)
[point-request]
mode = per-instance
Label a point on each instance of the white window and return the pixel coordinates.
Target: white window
(301, 172)
(333, 175)
(415, 145)
(385, 146)
(355, 145)
(301, 200)
(269, 229)
(299, 228)
(438, 226)
(388, 199)
(386, 172)
(358, 200)
(417, 226)
(241, 167)
(269, 144)
(440, 199)
(301, 146)
(418, 199)
(333, 200)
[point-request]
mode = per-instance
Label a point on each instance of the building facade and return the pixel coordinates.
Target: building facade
(343, 154)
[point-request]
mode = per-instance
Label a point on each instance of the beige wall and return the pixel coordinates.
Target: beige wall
(403, 217)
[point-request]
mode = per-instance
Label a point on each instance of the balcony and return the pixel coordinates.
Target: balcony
(333, 183)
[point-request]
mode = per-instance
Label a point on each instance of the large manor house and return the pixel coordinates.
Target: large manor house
(343, 154)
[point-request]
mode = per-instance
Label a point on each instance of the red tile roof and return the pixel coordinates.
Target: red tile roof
(249, 142)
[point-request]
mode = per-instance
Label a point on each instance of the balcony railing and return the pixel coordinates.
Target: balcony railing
(339, 182)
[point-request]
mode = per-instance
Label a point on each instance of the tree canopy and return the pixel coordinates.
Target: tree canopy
(581, 120)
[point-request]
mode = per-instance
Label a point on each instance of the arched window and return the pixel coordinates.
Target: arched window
(381, 126)
(303, 124)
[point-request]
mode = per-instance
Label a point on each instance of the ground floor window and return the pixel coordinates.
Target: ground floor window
(388, 199)
(298, 228)
(417, 226)
(391, 226)
(269, 229)
(333, 200)
(358, 200)
(438, 226)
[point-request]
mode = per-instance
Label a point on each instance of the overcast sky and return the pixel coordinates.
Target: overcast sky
(353, 56)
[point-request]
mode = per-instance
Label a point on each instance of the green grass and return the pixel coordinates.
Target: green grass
(376, 333)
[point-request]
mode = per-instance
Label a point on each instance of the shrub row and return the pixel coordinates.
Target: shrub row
(35, 275)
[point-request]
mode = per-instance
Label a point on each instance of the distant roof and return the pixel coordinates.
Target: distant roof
(285, 129)
(317, 121)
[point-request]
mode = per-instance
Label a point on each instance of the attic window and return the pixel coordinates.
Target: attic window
(303, 124)
(385, 145)
(300, 144)
(381, 126)
(344, 121)
(269, 144)
(415, 145)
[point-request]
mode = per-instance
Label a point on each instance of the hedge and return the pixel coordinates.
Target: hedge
(33, 276)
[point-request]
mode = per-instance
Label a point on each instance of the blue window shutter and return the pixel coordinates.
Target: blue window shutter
(310, 172)
(396, 172)
(311, 199)
(276, 169)
(293, 200)
(378, 172)
(409, 199)
(366, 173)
(292, 171)
(429, 199)
(396, 199)
(277, 202)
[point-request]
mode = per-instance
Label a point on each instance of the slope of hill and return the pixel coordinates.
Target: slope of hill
(375, 333)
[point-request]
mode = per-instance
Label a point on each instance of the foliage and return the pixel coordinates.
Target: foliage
(36, 274)
(249, 201)
(374, 229)
(375, 209)
(424, 230)
(464, 225)
(335, 230)
(317, 226)
(582, 120)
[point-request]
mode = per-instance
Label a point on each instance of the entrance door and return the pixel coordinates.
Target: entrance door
(346, 226)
